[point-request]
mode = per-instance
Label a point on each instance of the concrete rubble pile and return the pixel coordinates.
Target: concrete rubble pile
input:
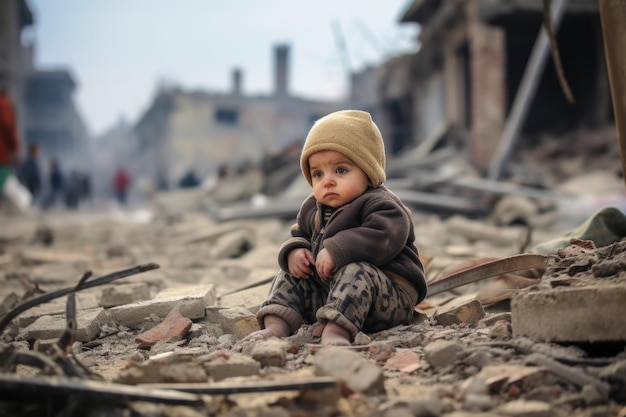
(166, 339)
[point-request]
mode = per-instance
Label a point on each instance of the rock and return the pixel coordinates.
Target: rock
(441, 353)
(221, 365)
(356, 373)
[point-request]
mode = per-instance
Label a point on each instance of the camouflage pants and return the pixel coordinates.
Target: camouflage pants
(358, 297)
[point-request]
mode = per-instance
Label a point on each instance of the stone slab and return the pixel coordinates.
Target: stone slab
(89, 323)
(84, 300)
(193, 301)
(583, 314)
(250, 299)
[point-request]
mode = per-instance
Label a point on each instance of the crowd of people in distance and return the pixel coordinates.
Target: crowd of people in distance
(53, 186)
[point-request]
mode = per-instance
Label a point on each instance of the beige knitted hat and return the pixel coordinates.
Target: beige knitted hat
(354, 134)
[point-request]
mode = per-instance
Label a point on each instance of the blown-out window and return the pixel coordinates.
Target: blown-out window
(227, 116)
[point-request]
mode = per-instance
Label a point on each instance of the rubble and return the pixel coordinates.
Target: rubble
(505, 330)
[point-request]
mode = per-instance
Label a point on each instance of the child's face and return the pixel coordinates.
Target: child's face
(336, 180)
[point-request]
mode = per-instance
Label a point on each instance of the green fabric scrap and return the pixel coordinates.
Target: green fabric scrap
(604, 227)
(5, 172)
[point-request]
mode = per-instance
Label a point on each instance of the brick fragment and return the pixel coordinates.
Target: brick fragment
(174, 325)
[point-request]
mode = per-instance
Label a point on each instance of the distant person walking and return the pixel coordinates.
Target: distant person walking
(121, 183)
(30, 174)
(56, 183)
(72, 190)
(85, 187)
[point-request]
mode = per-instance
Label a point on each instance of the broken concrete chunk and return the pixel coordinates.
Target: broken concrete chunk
(469, 313)
(207, 292)
(192, 301)
(237, 321)
(357, 373)
(250, 298)
(172, 369)
(583, 314)
(84, 300)
(502, 377)
(117, 295)
(89, 323)
(222, 366)
(272, 352)
(501, 330)
(440, 353)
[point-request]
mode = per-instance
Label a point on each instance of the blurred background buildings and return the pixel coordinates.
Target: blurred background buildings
(459, 87)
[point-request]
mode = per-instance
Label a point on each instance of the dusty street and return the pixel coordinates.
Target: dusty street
(469, 351)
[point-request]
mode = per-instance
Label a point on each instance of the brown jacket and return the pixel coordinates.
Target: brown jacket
(375, 228)
(8, 132)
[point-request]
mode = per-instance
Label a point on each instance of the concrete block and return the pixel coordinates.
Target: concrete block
(442, 353)
(220, 367)
(117, 295)
(358, 373)
(206, 291)
(469, 312)
(251, 299)
(193, 301)
(89, 323)
(583, 314)
(272, 352)
(84, 300)
(238, 321)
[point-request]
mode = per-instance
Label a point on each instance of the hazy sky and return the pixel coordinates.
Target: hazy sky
(119, 50)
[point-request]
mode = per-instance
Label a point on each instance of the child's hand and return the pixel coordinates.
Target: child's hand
(324, 264)
(300, 261)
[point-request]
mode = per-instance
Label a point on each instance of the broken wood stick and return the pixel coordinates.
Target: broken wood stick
(43, 298)
(33, 389)
(490, 269)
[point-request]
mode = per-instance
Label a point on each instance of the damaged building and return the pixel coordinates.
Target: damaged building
(15, 16)
(470, 70)
(43, 98)
(196, 132)
(52, 119)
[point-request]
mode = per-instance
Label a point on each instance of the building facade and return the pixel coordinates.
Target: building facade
(468, 72)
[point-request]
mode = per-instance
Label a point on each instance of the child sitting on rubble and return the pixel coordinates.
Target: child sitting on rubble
(351, 263)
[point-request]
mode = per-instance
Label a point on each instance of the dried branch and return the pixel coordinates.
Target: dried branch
(547, 22)
(82, 285)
